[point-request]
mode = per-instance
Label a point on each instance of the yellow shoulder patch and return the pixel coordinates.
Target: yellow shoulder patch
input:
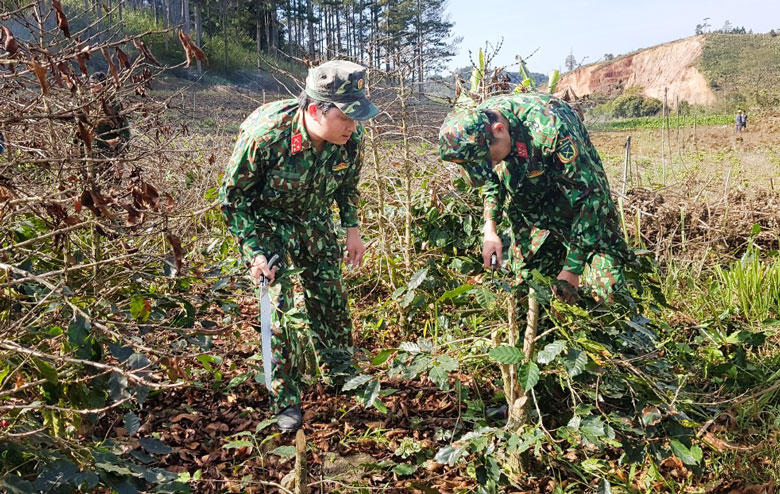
(567, 150)
(341, 166)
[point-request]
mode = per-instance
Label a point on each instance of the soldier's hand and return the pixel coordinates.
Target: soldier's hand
(491, 244)
(566, 288)
(355, 247)
(259, 267)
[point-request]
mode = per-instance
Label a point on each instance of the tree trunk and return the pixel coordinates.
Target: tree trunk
(186, 9)
(268, 30)
(257, 41)
(225, 32)
(420, 69)
(198, 32)
(166, 20)
(338, 32)
(310, 24)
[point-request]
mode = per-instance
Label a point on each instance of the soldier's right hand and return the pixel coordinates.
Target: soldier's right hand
(492, 244)
(259, 267)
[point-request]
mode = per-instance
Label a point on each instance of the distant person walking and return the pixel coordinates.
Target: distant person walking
(741, 120)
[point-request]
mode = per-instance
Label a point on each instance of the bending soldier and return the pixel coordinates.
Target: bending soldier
(540, 169)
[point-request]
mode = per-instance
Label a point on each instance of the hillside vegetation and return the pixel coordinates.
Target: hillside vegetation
(743, 69)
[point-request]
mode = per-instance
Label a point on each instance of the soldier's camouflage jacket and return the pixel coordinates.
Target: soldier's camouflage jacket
(552, 184)
(275, 175)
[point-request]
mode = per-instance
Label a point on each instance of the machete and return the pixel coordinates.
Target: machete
(265, 325)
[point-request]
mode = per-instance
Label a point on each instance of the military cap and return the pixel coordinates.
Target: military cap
(342, 83)
(463, 139)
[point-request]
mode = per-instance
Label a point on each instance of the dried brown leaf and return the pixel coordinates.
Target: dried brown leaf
(40, 73)
(9, 42)
(122, 57)
(189, 416)
(55, 73)
(85, 135)
(134, 217)
(62, 21)
(82, 61)
(145, 52)
(111, 65)
(64, 69)
(178, 252)
(191, 50)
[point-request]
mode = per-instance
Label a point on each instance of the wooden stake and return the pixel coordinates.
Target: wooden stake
(626, 163)
(663, 144)
(301, 471)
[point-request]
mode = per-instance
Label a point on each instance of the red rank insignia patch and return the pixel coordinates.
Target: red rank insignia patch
(522, 150)
(296, 142)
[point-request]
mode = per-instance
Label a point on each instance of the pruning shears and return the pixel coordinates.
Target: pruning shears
(265, 325)
(493, 267)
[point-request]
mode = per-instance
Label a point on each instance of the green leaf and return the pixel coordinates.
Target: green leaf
(16, 485)
(154, 446)
(447, 363)
(440, 377)
(550, 351)
(485, 297)
(408, 298)
(139, 308)
(371, 393)
(356, 382)
(528, 375)
(238, 444)
(265, 423)
(604, 487)
(697, 453)
(47, 370)
(449, 455)
(409, 347)
(78, 331)
(380, 406)
(684, 454)
(575, 362)
(417, 279)
(207, 360)
(284, 451)
(455, 292)
(404, 469)
(132, 423)
(507, 354)
(382, 356)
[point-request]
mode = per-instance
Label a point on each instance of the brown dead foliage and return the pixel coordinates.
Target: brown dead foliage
(62, 20)
(191, 50)
(686, 224)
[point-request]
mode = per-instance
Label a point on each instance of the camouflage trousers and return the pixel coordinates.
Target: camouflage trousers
(312, 252)
(546, 255)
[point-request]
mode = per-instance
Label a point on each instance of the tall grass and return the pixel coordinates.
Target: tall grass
(750, 284)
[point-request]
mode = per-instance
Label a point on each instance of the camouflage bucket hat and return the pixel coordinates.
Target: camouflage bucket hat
(463, 139)
(342, 83)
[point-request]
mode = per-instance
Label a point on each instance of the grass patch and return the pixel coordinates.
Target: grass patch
(656, 122)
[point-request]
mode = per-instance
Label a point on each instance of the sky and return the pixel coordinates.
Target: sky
(592, 28)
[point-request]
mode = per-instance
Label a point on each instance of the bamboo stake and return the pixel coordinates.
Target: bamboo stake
(663, 145)
(626, 163)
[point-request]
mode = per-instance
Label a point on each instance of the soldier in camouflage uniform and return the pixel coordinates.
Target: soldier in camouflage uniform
(293, 158)
(539, 167)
